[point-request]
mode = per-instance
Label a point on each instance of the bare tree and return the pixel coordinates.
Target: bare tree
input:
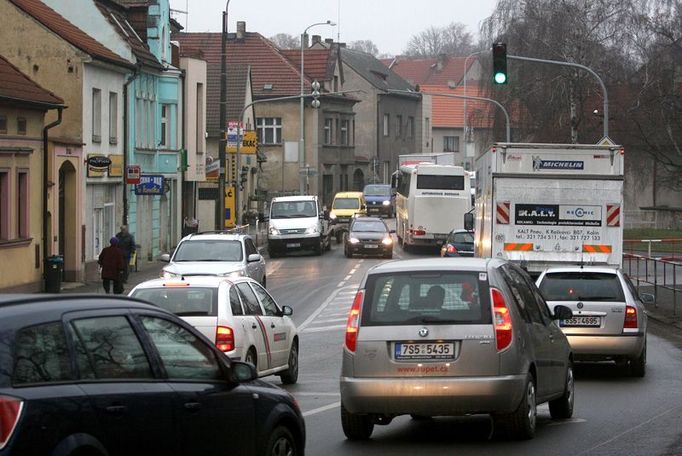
(367, 46)
(286, 41)
(452, 39)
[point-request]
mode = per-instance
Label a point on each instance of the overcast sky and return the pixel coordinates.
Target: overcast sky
(388, 23)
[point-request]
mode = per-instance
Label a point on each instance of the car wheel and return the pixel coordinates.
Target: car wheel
(562, 408)
(281, 443)
(272, 253)
(251, 357)
(356, 427)
(388, 255)
(638, 365)
(339, 238)
(317, 250)
(347, 253)
(264, 281)
(328, 247)
(520, 424)
(290, 376)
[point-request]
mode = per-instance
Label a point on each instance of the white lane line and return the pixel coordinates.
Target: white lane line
(319, 310)
(317, 329)
(322, 409)
(348, 276)
(311, 393)
(342, 283)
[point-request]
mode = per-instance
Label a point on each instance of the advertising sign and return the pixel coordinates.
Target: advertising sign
(97, 165)
(150, 184)
(116, 166)
(249, 143)
(230, 208)
(212, 169)
(557, 215)
(133, 173)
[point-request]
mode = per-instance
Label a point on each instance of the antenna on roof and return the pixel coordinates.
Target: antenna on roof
(338, 22)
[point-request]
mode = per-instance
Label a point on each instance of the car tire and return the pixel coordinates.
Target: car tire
(356, 427)
(290, 376)
(388, 255)
(562, 407)
(347, 253)
(519, 425)
(252, 357)
(339, 238)
(281, 442)
(638, 365)
(328, 247)
(317, 250)
(272, 253)
(264, 282)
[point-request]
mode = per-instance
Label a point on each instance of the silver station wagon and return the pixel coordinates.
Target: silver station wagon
(453, 336)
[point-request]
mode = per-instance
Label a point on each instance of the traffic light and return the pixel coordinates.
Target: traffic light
(500, 63)
(316, 94)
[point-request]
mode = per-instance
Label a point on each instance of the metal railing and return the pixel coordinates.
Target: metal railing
(659, 273)
(665, 249)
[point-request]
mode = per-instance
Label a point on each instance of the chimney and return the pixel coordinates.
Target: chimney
(317, 39)
(241, 29)
(305, 41)
(441, 61)
(329, 41)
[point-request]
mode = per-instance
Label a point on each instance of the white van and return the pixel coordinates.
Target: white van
(298, 223)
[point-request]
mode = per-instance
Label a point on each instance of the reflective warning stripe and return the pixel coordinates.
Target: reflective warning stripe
(599, 248)
(525, 247)
(503, 210)
(613, 215)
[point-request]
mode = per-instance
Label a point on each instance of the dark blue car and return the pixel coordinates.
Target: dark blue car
(379, 199)
(459, 243)
(90, 375)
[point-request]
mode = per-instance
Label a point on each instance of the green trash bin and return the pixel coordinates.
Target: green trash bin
(54, 266)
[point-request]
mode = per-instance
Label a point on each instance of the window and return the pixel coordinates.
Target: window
(410, 127)
(344, 132)
(523, 295)
(96, 115)
(235, 302)
(582, 286)
(21, 125)
(328, 130)
(165, 126)
(427, 129)
(113, 118)
(201, 131)
(41, 355)
(107, 348)
(271, 309)
(450, 143)
(336, 83)
(4, 205)
(184, 356)
(249, 298)
(209, 250)
(151, 124)
(139, 123)
(435, 182)
(250, 247)
(399, 126)
(23, 204)
(3, 124)
(182, 301)
(387, 121)
(269, 130)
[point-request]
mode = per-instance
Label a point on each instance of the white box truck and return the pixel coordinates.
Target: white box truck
(550, 204)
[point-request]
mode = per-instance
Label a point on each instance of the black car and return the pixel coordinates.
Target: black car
(90, 375)
(459, 243)
(368, 236)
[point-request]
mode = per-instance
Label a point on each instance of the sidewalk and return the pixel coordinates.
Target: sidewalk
(668, 307)
(147, 270)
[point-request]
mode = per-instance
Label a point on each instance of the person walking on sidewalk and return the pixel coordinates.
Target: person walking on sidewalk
(126, 242)
(113, 266)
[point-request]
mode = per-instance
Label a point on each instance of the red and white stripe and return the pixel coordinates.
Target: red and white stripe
(613, 215)
(503, 210)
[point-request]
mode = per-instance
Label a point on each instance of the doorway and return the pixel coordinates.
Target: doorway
(68, 217)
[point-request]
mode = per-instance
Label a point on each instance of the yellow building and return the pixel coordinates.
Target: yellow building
(23, 105)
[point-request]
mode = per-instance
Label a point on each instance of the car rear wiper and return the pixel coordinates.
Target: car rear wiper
(597, 298)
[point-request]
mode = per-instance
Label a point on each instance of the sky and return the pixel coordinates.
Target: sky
(388, 23)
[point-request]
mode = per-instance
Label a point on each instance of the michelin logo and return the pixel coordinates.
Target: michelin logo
(540, 164)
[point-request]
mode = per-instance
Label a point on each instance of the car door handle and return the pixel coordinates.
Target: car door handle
(116, 409)
(253, 326)
(272, 325)
(192, 405)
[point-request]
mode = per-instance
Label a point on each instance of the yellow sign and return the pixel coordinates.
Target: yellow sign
(116, 166)
(249, 143)
(230, 208)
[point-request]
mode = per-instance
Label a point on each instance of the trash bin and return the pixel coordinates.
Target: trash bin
(54, 265)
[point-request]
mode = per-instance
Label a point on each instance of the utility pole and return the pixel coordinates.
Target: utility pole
(222, 144)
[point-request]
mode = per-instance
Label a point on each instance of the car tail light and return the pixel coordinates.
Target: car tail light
(353, 325)
(418, 232)
(224, 338)
(451, 249)
(10, 412)
(503, 323)
(630, 318)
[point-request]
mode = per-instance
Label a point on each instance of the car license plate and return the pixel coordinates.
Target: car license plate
(582, 321)
(440, 350)
(371, 246)
(293, 245)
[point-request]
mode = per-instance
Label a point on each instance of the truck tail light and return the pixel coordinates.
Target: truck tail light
(630, 318)
(353, 325)
(224, 338)
(10, 412)
(503, 323)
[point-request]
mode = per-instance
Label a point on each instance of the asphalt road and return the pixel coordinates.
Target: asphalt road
(614, 414)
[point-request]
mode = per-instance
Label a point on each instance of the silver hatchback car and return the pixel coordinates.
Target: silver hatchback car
(453, 336)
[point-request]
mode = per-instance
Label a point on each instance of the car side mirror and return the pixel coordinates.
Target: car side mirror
(243, 372)
(562, 313)
(363, 207)
(647, 298)
(254, 257)
(164, 257)
(469, 221)
(287, 311)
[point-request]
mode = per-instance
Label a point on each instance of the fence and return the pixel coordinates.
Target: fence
(659, 273)
(665, 249)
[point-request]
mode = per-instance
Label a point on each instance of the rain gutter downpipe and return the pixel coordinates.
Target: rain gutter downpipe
(45, 188)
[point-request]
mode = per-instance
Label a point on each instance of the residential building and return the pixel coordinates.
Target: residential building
(443, 70)
(23, 105)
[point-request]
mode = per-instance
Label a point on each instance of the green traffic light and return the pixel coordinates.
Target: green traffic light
(500, 78)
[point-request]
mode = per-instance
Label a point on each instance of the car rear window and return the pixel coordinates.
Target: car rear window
(463, 238)
(209, 250)
(433, 297)
(182, 301)
(582, 286)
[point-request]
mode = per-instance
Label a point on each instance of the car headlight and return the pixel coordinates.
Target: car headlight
(332, 215)
(170, 275)
(386, 203)
(387, 241)
(273, 231)
(311, 230)
(353, 240)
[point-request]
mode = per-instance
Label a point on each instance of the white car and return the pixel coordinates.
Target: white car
(215, 253)
(237, 314)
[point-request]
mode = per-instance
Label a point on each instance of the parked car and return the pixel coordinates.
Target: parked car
(298, 223)
(95, 375)
(215, 253)
(452, 337)
(368, 236)
(238, 315)
(609, 320)
(380, 199)
(345, 207)
(459, 243)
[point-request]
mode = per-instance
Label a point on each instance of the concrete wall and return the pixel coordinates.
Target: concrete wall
(395, 144)
(365, 113)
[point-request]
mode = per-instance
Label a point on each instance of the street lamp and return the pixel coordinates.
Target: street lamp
(301, 141)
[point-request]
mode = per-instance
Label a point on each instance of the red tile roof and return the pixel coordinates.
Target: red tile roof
(50, 19)
(427, 70)
(316, 62)
(449, 112)
(15, 85)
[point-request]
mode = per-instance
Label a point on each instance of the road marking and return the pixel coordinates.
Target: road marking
(348, 276)
(322, 409)
(568, 421)
(342, 283)
(319, 310)
(321, 328)
(310, 393)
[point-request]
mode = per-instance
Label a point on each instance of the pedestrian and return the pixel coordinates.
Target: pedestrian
(126, 242)
(113, 266)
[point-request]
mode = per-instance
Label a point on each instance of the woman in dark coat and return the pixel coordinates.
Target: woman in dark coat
(113, 266)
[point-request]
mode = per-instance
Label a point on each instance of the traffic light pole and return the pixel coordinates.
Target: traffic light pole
(582, 67)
